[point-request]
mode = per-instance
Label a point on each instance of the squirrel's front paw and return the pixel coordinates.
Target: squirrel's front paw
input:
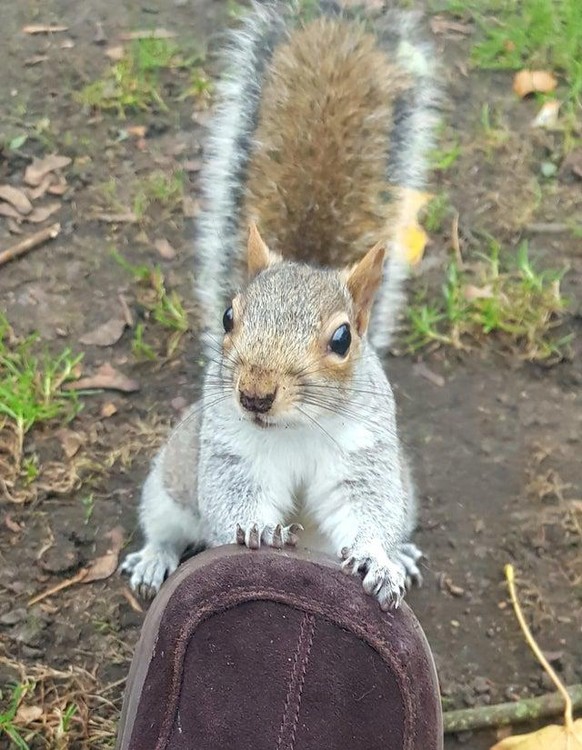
(148, 568)
(269, 536)
(382, 578)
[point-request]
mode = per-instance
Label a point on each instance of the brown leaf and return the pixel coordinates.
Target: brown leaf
(138, 131)
(115, 53)
(108, 410)
(13, 227)
(70, 440)
(105, 566)
(106, 378)
(42, 213)
(165, 249)
(132, 601)
(125, 311)
(38, 192)
(36, 172)
(106, 334)
(552, 737)
(77, 578)
(529, 81)
(7, 210)
(60, 188)
(11, 525)
(16, 198)
(28, 714)
(41, 28)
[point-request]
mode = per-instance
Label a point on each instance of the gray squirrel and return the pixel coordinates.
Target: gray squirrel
(325, 119)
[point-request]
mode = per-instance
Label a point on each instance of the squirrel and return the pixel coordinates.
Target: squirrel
(325, 120)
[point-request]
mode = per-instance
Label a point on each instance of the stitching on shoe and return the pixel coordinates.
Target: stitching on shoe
(297, 680)
(212, 604)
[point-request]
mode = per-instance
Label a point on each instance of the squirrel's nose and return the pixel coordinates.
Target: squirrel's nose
(258, 404)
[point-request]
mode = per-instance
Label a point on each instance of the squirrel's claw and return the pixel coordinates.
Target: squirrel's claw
(277, 536)
(383, 579)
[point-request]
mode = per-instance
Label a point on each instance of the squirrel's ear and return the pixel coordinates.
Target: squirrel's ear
(363, 281)
(258, 254)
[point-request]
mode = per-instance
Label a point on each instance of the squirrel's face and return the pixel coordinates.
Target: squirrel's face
(292, 340)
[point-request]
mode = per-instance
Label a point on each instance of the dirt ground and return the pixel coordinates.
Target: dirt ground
(496, 442)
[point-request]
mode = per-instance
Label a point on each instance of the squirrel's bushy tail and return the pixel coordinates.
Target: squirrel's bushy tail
(221, 234)
(416, 118)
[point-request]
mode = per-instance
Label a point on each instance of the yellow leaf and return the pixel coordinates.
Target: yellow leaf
(413, 239)
(409, 234)
(553, 737)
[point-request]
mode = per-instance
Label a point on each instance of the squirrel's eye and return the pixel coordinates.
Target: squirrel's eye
(228, 320)
(341, 340)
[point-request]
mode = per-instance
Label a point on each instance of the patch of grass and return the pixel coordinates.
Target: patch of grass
(166, 308)
(8, 726)
(443, 158)
(435, 213)
(535, 33)
(140, 349)
(31, 385)
(505, 297)
(88, 503)
(159, 188)
(134, 83)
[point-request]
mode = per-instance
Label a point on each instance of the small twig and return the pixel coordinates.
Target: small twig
(455, 240)
(514, 712)
(568, 715)
(59, 587)
(30, 243)
(548, 228)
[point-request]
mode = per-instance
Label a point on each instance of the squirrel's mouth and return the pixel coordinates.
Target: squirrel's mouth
(262, 422)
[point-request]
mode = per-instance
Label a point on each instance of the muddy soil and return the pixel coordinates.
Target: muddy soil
(495, 441)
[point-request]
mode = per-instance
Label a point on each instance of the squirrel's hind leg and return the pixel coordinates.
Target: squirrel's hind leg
(169, 527)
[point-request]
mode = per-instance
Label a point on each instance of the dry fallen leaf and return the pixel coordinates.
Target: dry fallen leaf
(165, 249)
(37, 171)
(106, 378)
(7, 210)
(59, 188)
(106, 334)
(16, 198)
(547, 117)
(413, 238)
(11, 525)
(38, 192)
(529, 81)
(41, 28)
(115, 53)
(105, 566)
(138, 131)
(409, 234)
(70, 440)
(552, 737)
(27, 714)
(42, 213)
(108, 410)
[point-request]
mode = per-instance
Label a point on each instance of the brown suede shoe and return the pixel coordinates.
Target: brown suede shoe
(277, 650)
